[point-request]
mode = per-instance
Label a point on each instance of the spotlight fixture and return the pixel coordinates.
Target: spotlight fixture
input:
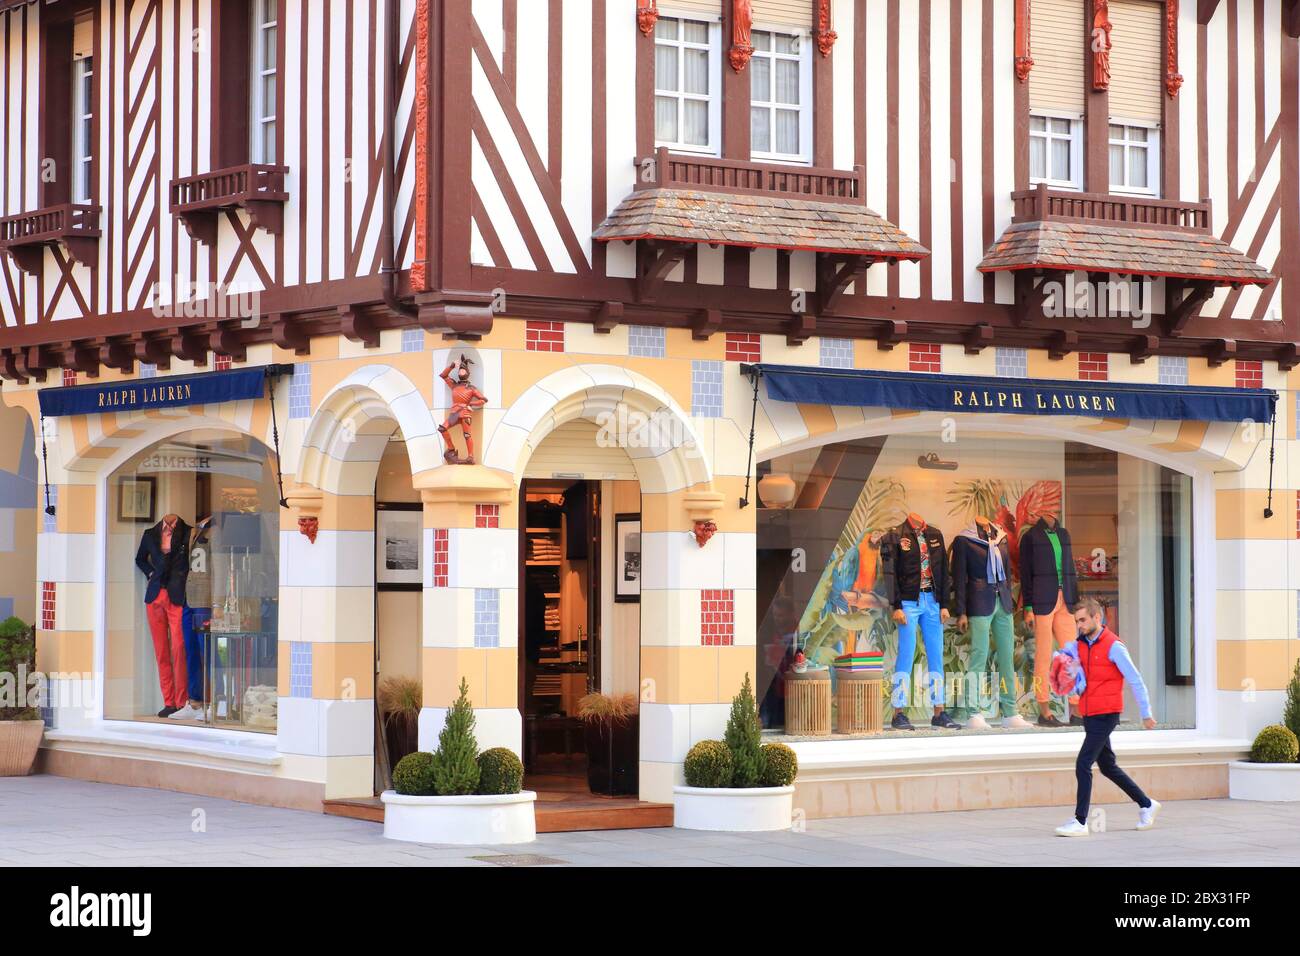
(933, 461)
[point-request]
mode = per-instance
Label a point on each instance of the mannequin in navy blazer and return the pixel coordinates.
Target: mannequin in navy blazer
(973, 596)
(165, 570)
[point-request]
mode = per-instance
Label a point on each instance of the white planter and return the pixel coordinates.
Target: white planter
(740, 809)
(1274, 782)
(468, 821)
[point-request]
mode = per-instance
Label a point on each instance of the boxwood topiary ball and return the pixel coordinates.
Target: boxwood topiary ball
(499, 772)
(780, 765)
(709, 764)
(413, 775)
(1275, 744)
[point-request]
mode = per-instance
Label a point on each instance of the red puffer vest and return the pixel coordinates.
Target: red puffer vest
(1104, 691)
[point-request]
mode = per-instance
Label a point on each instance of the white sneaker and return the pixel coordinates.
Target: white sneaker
(188, 712)
(1072, 829)
(1147, 815)
(977, 722)
(1016, 722)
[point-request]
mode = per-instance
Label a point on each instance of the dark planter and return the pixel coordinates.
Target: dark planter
(613, 750)
(402, 739)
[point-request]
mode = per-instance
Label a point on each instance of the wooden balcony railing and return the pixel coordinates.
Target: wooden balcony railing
(666, 169)
(257, 189)
(73, 226)
(1041, 204)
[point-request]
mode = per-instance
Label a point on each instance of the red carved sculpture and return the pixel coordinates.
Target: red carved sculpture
(309, 527)
(1101, 27)
(647, 15)
(704, 530)
(742, 22)
(465, 398)
(1024, 58)
(419, 268)
(826, 37)
(1173, 79)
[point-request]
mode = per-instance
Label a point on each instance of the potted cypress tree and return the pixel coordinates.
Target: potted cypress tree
(457, 795)
(611, 737)
(740, 783)
(21, 727)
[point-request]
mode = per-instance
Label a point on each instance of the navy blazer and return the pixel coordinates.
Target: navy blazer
(973, 595)
(1038, 582)
(165, 570)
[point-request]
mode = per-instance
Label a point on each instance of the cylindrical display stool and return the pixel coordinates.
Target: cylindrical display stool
(808, 704)
(858, 704)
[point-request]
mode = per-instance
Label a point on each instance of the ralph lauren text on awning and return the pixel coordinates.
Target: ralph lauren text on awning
(971, 393)
(207, 388)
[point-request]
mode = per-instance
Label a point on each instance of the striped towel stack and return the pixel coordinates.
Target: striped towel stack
(862, 662)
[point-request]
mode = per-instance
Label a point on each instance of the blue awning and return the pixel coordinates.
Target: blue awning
(171, 391)
(923, 391)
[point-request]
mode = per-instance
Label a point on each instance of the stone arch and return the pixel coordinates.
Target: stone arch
(346, 436)
(664, 447)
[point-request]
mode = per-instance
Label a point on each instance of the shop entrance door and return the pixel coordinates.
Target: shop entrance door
(559, 625)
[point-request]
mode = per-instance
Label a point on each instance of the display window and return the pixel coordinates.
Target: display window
(931, 582)
(193, 584)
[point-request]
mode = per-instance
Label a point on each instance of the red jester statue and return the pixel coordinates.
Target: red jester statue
(465, 398)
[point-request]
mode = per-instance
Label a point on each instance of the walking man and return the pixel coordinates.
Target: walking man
(1101, 664)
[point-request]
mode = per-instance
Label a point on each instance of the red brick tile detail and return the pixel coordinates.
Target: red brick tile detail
(744, 347)
(1094, 367)
(717, 618)
(487, 516)
(1297, 515)
(47, 605)
(69, 378)
(542, 336)
(924, 357)
(220, 363)
(1250, 374)
(441, 556)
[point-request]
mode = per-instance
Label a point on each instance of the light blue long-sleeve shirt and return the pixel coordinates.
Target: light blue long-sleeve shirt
(1119, 656)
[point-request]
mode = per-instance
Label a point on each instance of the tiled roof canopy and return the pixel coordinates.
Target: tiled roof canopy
(1059, 230)
(759, 222)
(1103, 248)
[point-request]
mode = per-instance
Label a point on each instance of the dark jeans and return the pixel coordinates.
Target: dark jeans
(1096, 749)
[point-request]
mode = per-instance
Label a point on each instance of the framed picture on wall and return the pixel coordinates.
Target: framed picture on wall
(135, 499)
(627, 558)
(399, 533)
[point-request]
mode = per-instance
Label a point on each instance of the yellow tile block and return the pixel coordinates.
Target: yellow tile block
(866, 354)
(521, 370)
(1239, 513)
(65, 651)
(75, 510)
(1038, 364)
(1199, 372)
(733, 664)
(283, 667)
(1257, 665)
(343, 671)
(492, 674)
(678, 343)
(506, 334)
(672, 375)
(694, 674)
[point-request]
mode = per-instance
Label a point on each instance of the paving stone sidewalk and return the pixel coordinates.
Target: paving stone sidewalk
(55, 821)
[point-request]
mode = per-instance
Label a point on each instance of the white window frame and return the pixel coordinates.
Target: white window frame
(1075, 182)
(805, 155)
(1152, 146)
(713, 97)
(264, 121)
(83, 115)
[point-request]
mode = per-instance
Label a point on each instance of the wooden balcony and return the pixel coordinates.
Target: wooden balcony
(72, 226)
(1041, 204)
(670, 170)
(259, 190)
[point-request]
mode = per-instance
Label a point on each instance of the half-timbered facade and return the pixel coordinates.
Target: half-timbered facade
(712, 261)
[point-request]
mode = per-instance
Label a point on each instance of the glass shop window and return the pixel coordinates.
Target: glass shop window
(840, 550)
(193, 584)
